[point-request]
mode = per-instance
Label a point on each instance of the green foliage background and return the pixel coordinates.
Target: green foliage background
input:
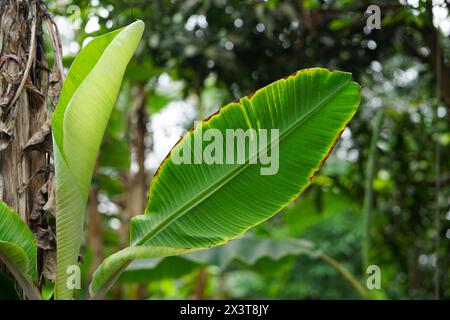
(218, 50)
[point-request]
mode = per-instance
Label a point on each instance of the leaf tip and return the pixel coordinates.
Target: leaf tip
(138, 24)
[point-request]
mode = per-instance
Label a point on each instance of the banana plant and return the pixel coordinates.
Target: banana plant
(86, 102)
(198, 206)
(78, 123)
(18, 251)
(247, 251)
(195, 206)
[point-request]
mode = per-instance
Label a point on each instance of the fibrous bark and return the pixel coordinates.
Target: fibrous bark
(26, 81)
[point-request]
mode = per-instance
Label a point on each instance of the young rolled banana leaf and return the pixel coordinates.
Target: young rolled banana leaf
(18, 250)
(86, 102)
(200, 205)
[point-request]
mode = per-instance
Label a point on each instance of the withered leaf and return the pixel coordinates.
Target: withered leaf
(11, 56)
(5, 136)
(42, 139)
(37, 99)
(49, 270)
(45, 239)
(38, 203)
(55, 85)
(1, 188)
(49, 206)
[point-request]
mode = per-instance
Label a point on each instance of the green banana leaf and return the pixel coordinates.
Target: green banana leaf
(18, 249)
(15, 255)
(246, 251)
(17, 242)
(79, 121)
(198, 206)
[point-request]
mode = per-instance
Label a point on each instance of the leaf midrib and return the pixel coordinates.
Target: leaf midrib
(234, 172)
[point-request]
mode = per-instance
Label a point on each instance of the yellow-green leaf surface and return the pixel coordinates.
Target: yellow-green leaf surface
(87, 99)
(17, 242)
(15, 255)
(196, 206)
(18, 251)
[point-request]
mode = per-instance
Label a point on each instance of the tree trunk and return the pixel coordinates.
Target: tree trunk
(138, 192)
(26, 173)
(137, 181)
(94, 226)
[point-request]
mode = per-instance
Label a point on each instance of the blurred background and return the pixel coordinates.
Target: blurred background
(383, 197)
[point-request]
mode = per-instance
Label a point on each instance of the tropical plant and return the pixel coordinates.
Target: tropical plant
(247, 251)
(18, 251)
(191, 207)
(86, 102)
